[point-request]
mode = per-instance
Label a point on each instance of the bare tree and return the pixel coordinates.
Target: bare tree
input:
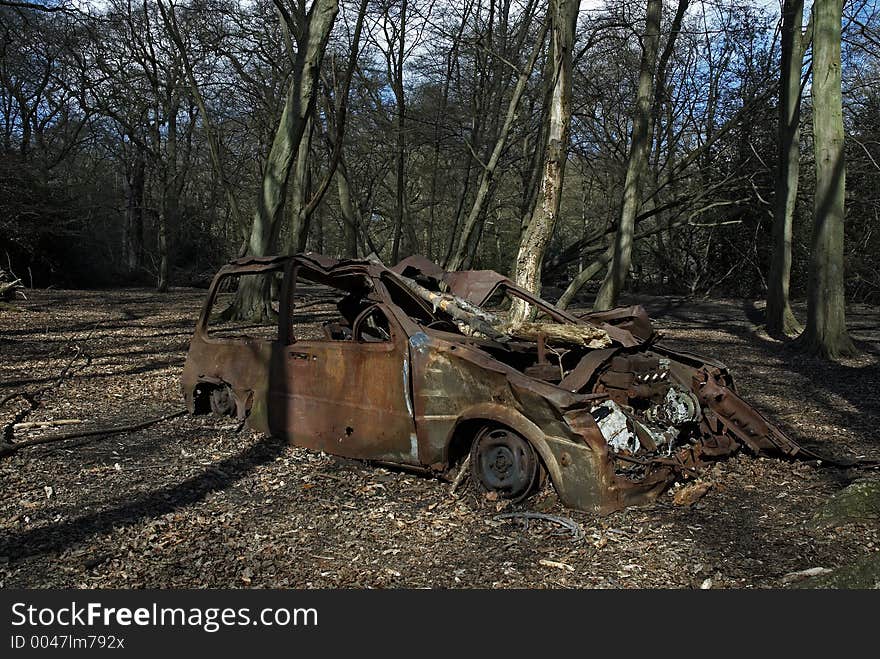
(537, 234)
(312, 30)
(825, 333)
(469, 237)
(636, 163)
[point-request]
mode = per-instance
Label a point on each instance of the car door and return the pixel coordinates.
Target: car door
(345, 382)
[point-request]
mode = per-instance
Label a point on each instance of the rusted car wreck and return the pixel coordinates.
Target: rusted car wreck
(407, 365)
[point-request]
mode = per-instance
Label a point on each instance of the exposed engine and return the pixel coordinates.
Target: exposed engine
(648, 413)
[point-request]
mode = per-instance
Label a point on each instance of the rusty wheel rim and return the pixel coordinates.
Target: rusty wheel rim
(504, 462)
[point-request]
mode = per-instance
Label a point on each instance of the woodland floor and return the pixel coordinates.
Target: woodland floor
(190, 503)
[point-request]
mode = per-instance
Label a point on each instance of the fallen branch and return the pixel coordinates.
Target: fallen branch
(8, 449)
(9, 429)
(45, 424)
(34, 398)
(461, 475)
(577, 533)
(791, 577)
(459, 309)
(560, 333)
(494, 327)
(8, 289)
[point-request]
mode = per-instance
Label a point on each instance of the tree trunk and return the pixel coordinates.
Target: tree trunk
(350, 214)
(400, 209)
(586, 274)
(162, 243)
(469, 238)
(169, 194)
(539, 231)
(134, 214)
(250, 299)
(636, 164)
(301, 175)
(826, 333)
(780, 318)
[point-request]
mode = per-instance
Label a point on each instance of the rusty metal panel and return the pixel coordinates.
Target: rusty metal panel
(348, 399)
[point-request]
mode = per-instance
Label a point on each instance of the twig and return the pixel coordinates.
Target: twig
(7, 449)
(577, 533)
(461, 475)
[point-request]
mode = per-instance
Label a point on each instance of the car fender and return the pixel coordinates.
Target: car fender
(518, 422)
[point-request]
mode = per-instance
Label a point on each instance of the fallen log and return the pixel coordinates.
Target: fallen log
(10, 286)
(8, 289)
(477, 319)
(495, 327)
(567, 334)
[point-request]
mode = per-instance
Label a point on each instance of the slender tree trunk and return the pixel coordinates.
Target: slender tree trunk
(169, 194)
(585, 275)
(539, 231)
(469, 238)
(826, 333)
(780, 318)
(162, 244)
(134, 214)
(459, 211)
(350, 212)
(663, 90)
(400, 209)
(637, 163)
(251, 298)
(301, 176)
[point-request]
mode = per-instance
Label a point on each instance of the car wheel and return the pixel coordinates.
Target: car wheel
(504, 462)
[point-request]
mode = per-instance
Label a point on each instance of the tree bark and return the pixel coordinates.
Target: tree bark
(299, 215)
(826, 333)
(780, 318)
(636, 164)
(539, 231)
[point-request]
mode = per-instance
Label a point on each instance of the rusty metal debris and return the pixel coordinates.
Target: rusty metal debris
(577, 532)
(416, 366)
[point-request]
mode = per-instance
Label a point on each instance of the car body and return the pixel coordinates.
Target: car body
(359, 365)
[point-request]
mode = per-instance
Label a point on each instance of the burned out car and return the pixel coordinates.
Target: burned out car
(416, 366)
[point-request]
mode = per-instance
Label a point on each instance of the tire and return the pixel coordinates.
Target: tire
(504, 462)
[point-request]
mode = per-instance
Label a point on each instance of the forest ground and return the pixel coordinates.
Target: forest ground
(190, 503)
